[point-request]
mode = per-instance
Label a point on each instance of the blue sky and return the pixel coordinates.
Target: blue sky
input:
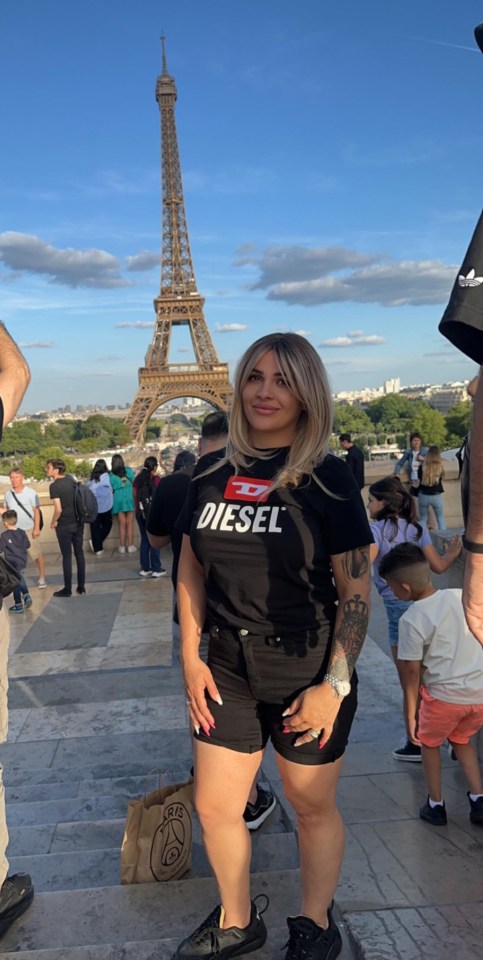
(331, 160)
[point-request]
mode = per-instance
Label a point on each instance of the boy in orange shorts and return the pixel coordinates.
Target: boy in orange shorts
(442, 676)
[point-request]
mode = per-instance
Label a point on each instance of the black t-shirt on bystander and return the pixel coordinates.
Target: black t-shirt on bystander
(168, 500)
(64, 489)
(355, 461)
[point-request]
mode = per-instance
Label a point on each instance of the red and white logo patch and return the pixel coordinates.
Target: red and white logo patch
(246, 488)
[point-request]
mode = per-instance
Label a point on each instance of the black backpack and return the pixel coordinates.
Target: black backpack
(85, 503)
(145, 494)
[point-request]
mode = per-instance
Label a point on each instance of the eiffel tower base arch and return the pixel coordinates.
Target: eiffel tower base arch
(184, 380)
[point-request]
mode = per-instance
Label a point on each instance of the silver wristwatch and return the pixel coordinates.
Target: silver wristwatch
(341, 687)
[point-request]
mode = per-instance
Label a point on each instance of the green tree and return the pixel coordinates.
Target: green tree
(353, 420)
(458, 421)
(431, 424)
(391, 413)
(83, 469)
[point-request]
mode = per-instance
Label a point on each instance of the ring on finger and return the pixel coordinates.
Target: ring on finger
(315, 734)
(188, 703)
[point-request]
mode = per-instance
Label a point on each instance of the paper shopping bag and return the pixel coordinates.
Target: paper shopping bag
(157, 837)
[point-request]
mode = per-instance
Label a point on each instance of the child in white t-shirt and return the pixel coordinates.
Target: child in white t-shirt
(442, 673)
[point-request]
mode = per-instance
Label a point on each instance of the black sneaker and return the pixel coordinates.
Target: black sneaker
(210, 941)
(476, 809)
(407, 751)
(16, 895)
(435, 815)
(308, 941)
(256, 813)
(63, 593)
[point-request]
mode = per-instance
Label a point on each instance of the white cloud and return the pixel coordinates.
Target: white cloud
(135, 325)
(231, 327)
(69, 267)
(37, 345)
(355, 339)
(311, 276)
(145, 260)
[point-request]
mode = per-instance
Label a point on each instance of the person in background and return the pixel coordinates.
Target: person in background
(442, 675)
(410, 462)
(26, 502)
(16, 890)
(169, 497)
(275, 556)
(393, 520)
(122, 479)
(14, 545)
(144, 487)
(100, 484)
(69, 530)
(431, 474)
(354, 458)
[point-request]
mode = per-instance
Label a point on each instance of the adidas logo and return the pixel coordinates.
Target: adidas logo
(470, 280)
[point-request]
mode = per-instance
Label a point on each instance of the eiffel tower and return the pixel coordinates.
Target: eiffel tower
(179, 303)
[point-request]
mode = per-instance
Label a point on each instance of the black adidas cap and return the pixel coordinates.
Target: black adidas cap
(479, 36)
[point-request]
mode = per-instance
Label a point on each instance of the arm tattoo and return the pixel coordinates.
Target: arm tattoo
(355, 563)
(349, 637)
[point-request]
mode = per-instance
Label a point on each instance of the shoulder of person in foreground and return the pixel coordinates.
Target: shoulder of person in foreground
(334, 473)
(208, 460)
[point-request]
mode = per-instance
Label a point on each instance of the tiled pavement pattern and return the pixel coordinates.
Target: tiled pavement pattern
(96, 702)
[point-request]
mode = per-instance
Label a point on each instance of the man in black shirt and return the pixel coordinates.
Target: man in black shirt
(69, 530)
(16, 891)
(354, 459)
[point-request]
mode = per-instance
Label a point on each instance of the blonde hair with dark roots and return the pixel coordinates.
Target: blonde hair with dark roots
(306, 378)
(433, 469)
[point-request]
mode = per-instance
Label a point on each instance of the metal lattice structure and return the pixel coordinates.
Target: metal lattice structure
(179, 302)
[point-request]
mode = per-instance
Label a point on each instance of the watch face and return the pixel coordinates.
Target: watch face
(344, 688)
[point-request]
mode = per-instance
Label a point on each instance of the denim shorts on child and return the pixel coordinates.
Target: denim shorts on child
(258, 678)
(440, 721)
(394, 612)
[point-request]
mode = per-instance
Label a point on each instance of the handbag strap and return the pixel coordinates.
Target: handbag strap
(21, 505)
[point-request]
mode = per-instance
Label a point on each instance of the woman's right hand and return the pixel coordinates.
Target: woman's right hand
(198, 678)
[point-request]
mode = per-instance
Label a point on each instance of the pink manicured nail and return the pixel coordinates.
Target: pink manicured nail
(322, 744)
(286, 730)
(207, 731)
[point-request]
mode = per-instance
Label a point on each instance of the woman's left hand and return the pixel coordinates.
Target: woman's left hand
(314, 709)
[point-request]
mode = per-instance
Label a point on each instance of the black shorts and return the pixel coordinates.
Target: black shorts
(258, 678)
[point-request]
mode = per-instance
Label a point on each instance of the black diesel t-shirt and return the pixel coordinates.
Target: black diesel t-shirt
(267, 561)
(64, 488)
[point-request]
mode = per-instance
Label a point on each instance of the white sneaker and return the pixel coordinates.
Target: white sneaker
(121, 549)
(159, 573)
(91, 545)
(132, 549)
(99, 553)
(145, 573)
(41, 584)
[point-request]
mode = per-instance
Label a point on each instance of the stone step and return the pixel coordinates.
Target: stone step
(129, 914)
(18, 780)
(144, 950)
(79, 869)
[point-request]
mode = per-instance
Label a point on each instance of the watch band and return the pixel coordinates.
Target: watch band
(333, 682)
(471, 546)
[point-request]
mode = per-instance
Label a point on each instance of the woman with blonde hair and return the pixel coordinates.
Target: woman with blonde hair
(431, 474)
(276, 558)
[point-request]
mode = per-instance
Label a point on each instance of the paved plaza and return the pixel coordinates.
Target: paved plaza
(96, 702)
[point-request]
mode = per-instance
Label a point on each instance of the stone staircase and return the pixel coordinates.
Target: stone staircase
(95, 704)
